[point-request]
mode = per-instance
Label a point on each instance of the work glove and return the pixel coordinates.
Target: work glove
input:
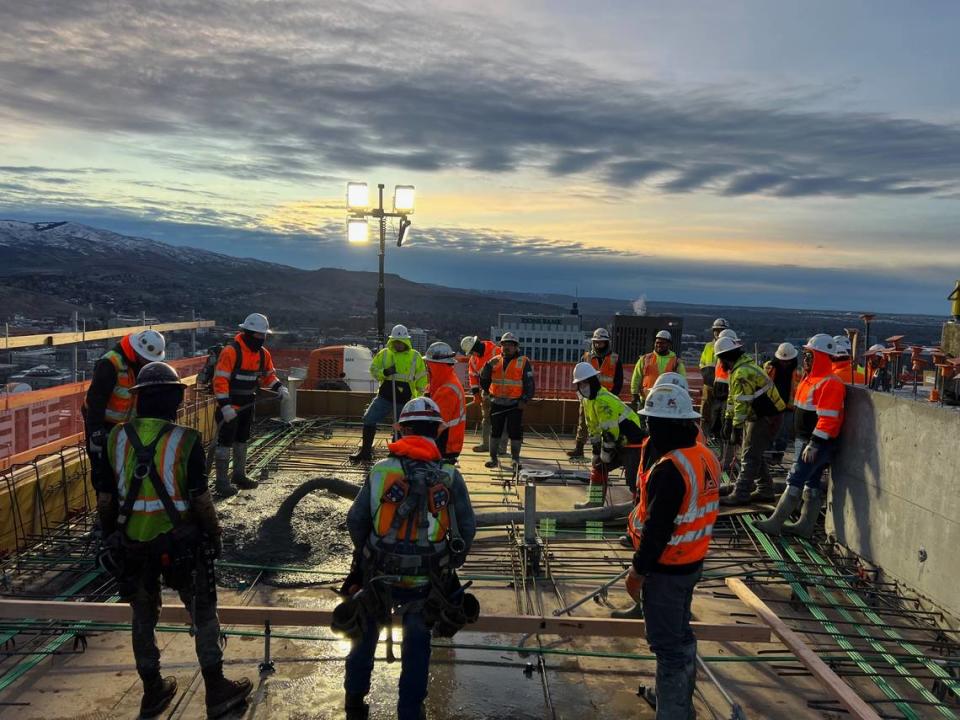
(809, 454)
(282, 391)
(227, 413)
(98, 440)
(387, 372)
(606, 456)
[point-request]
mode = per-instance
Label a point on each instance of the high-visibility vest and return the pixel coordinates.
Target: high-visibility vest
(149, 518)
(508, 383)
(451, 400)
(824, 395)
(408, 366)
(476, 362)
(843, 369)
(693, 526)
(721, 374)
(607, 367)
(752, 393)
(240, 371)
(707, 357)
(605, 413)
(651, 368)
(120, 406)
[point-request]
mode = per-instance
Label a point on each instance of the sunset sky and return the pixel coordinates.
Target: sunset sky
(800, 154)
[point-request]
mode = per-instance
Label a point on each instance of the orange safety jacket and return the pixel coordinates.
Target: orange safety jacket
(447, 392)
(607, 367)
(475, 363)
(236, 382)
(842, 369)
(822, 392)
(651, 369)
(508, 384)
(721, 374)
(873, 369)
(693, 528)
(120, 406)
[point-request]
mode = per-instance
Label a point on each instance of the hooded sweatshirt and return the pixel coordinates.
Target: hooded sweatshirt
(819, 402)
(409, 378)
(447, 392)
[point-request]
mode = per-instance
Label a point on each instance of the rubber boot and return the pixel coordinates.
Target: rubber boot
(355, 707)
(577, 451)
(223, 695)
(240, 478)
(809, 514)
(158, 693)
(634, 613)
(485, 427)
(222, 465)
(675, 690)
(764, 492)
(789, 502)
(365, 453)
(493, 461)
(515, 447)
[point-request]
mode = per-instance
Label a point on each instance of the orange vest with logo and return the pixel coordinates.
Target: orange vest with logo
(651, 369)
(607, 367)
(508, 384)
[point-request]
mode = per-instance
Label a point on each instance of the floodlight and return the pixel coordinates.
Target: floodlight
(403, 199)
(358, 196)
(357, 230)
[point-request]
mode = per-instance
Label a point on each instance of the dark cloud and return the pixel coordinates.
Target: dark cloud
(302, 91)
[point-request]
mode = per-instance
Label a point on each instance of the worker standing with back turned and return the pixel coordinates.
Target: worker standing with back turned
(652, 365)
(508, 380)
(676, 512)
(446, 391)
(610, 375)
(402, 375)
(478, 354)
(244, 366)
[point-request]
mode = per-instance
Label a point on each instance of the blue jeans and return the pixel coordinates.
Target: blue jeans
(666, 609)
(809, 474)
(414, 660)
(378, 410)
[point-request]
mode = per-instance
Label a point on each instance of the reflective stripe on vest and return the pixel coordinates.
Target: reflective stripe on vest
(458, 391)
(509, 384)
(607, 368)
(244, 380)
(651, 368)
(120, 405)
(720, 374)
(807, 403)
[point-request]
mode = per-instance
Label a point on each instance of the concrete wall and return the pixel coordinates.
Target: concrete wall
(950, 340)
(896, 489)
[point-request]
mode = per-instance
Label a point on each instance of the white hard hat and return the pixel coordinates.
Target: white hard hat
(720, 324)
(509, 337)
(785, 351)
(467, 343)
(672, 378)
(843, 344)
(421, 409)
(664, 335)
(584, 371)
(729, 333)
(726, 344)
(257, 323)
(601, 334)
(876, 349)
(669, 401)
(440, 352)
(821, 342)
(149, 344)
(399, 332)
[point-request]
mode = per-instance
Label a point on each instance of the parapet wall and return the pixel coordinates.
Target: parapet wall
(895, 495)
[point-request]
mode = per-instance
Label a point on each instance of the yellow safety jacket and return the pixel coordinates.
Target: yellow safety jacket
(752, 393)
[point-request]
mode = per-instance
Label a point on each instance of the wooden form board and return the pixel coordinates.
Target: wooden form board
(314, 617)
(855, 705)
(69, 338)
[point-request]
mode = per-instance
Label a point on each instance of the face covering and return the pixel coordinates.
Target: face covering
(252, 342)
(583, 389)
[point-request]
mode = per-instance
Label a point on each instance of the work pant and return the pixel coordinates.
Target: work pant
(666, 610)
(505, 416)
(785, 435)
(626, 457)
(582, 433)
(718, 407)
(238, 429)
(757, 438)
(378, 410)
(809, 474)
(101, 475)
(484, 403)
(414, 659)
(706, 410)
(146, 604)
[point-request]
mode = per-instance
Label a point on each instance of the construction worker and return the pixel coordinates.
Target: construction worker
(244, 366)
(785, 372)
(508, 380)
(446, 391)
(412, 522)
(752, 419)
(674, 521)
(614, 431)
(610, 373)
(720, 393)
(818, 418)
(478, 354)
(650, 366)
(108, 401)
(843, 363)
(877, 377)
(708, 364)
(402, 376)
(161, 528)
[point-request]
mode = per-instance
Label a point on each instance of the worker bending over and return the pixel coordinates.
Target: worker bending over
(447, 392)
(478, 354)
(412, 526)
(244, 366)
(402, 376)
(161, 528)
(610, 373)
(673, 522)
(652, 365)
(109, 400)
(818, 419)
(508, 380)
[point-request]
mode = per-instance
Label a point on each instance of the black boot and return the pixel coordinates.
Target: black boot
(577, 451)
(223, 695)
(365, 453)
(158, 693)
(355, 707)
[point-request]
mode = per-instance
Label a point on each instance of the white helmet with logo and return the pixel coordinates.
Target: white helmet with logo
(421, 409)
(509, 337)
(399, 332)
(720, 324)
(785, 351)
(584, 371)
(440, 352)
(466, 345)
(821, 342)
(672, 378)
(876, 349)
(671, 402)
(726, 344)
(149, 344)
(844, 347)
(257, 323)
(601, 335)
(664, 335)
